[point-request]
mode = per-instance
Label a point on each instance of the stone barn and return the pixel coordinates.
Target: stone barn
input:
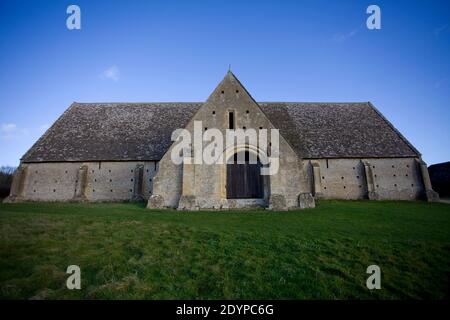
(122, 152)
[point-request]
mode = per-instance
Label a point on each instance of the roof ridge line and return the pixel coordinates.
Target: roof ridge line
(316, 102)
(137, 103)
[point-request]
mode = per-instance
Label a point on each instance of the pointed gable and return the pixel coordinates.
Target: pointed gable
(230, 96)
(142, 131)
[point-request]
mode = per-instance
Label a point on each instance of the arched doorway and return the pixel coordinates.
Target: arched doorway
(244, 180)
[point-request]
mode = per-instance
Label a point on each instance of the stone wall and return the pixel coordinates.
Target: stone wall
(85, 181)
(393, 178)
(199, 186)
(195, 186)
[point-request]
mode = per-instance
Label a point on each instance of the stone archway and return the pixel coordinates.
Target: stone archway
(235, 183)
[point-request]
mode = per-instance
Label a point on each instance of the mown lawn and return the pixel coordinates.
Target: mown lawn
(128, 252)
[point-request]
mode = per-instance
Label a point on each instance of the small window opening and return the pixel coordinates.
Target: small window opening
(231, 120)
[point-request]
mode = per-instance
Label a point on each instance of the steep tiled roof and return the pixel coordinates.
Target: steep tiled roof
(142, 131)
(112, 131)
(337, 130)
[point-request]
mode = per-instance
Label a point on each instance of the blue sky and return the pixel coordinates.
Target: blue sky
(142, 51)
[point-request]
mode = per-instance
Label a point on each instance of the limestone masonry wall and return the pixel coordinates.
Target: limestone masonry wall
(393, 178)
(204, 186)
(104, 181)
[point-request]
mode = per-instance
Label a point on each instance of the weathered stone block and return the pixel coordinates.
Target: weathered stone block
(156, 202)
(306, 201)
(187, 203)
(277, 202)
(432, 196)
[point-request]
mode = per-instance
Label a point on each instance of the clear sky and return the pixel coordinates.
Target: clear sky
(144, 51)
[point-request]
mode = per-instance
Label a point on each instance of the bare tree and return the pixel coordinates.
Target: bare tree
(6, 175)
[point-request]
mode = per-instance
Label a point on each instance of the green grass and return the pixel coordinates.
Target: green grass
(128, 252)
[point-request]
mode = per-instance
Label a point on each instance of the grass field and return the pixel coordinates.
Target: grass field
(128, 252)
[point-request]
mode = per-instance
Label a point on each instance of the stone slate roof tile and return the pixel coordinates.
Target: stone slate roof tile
(112, 131)
(142, 131)
(337, 130)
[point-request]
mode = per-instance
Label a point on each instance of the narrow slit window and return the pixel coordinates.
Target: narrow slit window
(231, 120)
